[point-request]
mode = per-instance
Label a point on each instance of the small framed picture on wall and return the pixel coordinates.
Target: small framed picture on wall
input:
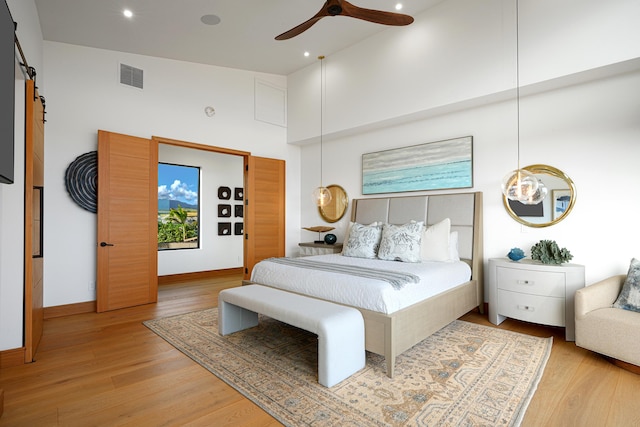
(224, 229)
(238, 193)
(224, 211)
(224, 193)
(238, 228)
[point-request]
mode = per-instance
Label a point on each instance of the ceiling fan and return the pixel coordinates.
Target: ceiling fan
(344, 8)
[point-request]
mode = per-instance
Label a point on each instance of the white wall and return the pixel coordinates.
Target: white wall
(459, 51)
(12, 196)
(579, 114)
(215, 252)
(84, 95)
(451, 73)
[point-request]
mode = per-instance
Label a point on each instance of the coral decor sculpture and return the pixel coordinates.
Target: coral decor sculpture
(548, 252)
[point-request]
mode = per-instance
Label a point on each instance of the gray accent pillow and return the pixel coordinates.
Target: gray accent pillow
(629, 298)
(363, 241)
(401, 242)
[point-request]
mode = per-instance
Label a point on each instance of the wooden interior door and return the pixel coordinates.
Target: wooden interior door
(127, 239)
(33, 226)
(265, 211)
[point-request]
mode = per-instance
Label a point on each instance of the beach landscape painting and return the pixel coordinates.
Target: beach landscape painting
(432, 166)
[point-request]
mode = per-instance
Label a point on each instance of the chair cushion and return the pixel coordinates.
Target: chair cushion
(629, 298)
(612, 332)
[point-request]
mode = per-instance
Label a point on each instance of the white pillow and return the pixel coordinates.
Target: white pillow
(363, 241)
(454, 255)
(401, 242)
(435, 242)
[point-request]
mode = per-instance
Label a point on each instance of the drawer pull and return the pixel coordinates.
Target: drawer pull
(526, 308)
(525, 282)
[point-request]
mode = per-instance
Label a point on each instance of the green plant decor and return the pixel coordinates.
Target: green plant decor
(548, 252)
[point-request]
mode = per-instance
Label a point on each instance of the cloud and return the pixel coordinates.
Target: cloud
(177, 191)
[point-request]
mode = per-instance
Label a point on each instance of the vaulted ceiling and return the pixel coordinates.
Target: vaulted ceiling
(242, 34)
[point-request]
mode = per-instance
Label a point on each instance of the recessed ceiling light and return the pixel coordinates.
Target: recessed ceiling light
(306, 54)
(210, 19)
(127, 13)
(398, 6)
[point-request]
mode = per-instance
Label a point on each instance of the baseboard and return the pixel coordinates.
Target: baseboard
(198, 275)
(624, 365)
(12, 357)
(69, 309)
(90, 306)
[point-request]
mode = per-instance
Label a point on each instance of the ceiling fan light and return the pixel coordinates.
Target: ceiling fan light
(519, 185)
(321, 196)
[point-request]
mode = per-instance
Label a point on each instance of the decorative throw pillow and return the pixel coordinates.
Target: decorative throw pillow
(401, 242)
(363, 241)
(435, 242)
(629, 298)
(454, 255)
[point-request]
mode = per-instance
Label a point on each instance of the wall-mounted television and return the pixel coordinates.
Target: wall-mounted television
(7, 93)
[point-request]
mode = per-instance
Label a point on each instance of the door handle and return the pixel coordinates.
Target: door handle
(103, 244)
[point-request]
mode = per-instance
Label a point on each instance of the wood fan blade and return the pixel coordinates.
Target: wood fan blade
(325, 11)
(299, 29)
(344, 8)
(377, 16)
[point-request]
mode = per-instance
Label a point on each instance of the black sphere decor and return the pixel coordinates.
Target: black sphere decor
(81, 180)
(330, 239)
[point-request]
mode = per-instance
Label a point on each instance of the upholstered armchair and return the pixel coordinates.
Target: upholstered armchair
(613, 332)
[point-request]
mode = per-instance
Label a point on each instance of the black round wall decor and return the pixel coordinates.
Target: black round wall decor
(81, 180)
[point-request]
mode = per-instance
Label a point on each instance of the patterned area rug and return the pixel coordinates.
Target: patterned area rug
(463, 375)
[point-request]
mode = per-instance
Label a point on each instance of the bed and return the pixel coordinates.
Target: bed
(392, 328)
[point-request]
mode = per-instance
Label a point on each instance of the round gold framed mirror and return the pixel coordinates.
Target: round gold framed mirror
(337, 207)
(556, 206)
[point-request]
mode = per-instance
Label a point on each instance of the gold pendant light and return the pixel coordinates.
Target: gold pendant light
(520, 184)
(321, 195)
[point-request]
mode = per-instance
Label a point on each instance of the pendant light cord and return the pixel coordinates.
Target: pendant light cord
(518, 78)
(321, 58)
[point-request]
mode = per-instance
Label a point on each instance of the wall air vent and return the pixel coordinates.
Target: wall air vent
(131, 76)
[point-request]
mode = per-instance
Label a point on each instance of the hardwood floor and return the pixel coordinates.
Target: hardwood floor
(108, 369)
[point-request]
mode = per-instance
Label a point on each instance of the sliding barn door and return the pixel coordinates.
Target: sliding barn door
(33, 226)
(127, 251)
(265, 218)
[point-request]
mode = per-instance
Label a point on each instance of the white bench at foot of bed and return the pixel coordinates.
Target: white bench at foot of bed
(340, 329)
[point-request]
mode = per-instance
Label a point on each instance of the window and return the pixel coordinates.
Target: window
(178, 206)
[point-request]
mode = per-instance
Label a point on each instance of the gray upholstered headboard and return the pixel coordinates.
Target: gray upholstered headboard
(463, 209)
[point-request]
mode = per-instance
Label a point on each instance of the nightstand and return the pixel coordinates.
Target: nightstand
(534, 292)
(311, 248)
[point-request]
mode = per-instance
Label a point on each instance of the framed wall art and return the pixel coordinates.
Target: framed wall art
(224, 229)
(238, 228)
(224, 211)
(521, 209)
(435, 165)
(238, 193)
(561, 200)
(224, 193)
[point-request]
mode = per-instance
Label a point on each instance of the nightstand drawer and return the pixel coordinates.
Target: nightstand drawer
(543, 283)
(532, 308)
(307, 249)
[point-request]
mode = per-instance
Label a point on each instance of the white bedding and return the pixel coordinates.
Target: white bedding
(375, 295)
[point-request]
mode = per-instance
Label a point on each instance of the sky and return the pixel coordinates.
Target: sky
(177, 182)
